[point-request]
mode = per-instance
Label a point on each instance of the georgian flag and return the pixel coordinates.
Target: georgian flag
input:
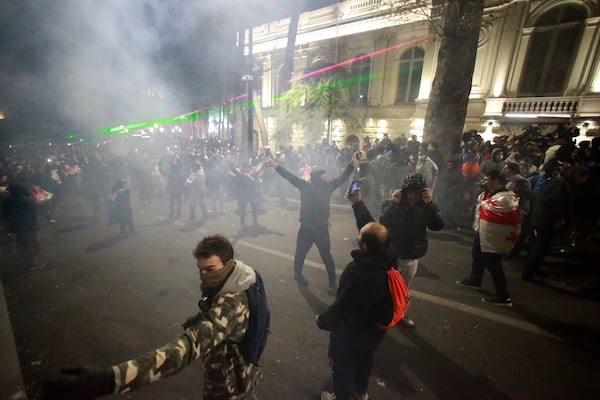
(498, 221)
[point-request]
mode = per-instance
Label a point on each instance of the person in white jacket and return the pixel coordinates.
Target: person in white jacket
(197, 184)
(497, 226)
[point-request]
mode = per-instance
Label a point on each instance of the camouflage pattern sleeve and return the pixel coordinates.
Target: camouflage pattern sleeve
(226, 320)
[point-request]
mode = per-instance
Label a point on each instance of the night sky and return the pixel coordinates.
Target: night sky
(76, 66)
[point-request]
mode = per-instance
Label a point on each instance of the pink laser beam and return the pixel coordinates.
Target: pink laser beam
(374, 53)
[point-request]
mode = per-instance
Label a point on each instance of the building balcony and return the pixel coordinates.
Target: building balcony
(563, 107)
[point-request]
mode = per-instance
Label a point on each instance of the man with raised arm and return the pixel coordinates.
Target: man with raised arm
(315, 198)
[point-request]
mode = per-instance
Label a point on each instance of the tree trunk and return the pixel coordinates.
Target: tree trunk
(288, 63)
(445, 117)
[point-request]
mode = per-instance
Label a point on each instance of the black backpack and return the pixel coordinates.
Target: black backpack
(254, 341)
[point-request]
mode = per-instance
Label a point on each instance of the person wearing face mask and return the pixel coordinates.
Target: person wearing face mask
(315, 199)
(497, 226)
(215, 335)
(496, 162)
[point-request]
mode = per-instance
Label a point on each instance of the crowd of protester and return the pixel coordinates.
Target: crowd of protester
(205, 175)
(549, 182)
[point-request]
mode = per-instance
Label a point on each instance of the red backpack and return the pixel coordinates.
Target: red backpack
(400, 297)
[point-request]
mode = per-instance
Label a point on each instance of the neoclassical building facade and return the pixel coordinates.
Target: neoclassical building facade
(538, 62)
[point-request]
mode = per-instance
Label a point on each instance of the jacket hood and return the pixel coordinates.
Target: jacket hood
(496, 150)
(241, 278)
(370, 261)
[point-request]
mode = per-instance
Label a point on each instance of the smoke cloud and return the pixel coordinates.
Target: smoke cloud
(82, 65)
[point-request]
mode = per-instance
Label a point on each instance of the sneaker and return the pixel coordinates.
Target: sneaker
(327, 396)
(300, 280)
(497, 301)
(469, 284)
(407, 322)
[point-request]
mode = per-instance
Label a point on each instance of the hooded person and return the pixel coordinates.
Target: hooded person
(315, 199)
(215, 335)
(496, 162)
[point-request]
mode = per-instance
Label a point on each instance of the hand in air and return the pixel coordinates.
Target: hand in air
(427, 196)
(270, 163)
(355, 198)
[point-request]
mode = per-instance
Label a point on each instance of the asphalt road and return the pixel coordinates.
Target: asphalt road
(105, 298)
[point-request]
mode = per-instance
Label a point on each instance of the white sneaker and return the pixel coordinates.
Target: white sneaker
(407, 322)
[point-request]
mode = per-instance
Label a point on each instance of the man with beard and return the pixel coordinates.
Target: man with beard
(315, 198)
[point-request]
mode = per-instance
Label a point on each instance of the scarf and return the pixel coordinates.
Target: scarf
(216, 278)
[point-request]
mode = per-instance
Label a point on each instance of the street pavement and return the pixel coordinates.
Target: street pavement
(105, 298)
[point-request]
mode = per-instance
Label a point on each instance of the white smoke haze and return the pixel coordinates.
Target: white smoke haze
(84, 65)
(106, 60)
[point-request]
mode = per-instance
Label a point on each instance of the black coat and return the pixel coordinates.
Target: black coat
(408, 226)
(315, 197)
(552, 204)
(363, 300)
(20, 211)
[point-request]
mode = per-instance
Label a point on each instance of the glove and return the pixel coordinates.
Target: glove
(81, 382)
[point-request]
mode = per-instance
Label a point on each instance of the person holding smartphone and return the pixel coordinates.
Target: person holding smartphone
(407, 216)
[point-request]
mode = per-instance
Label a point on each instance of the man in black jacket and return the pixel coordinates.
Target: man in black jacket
(363, 302)
(407, 216)
(315, 198)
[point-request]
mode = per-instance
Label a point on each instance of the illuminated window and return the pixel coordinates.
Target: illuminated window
(358, 87)
(551, 51)
(409, 75)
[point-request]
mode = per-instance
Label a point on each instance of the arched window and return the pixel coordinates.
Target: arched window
(360, 73)
(551, 51)
(409, 75)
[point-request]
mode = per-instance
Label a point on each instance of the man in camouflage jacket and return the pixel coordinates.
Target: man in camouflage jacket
(213, 335)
